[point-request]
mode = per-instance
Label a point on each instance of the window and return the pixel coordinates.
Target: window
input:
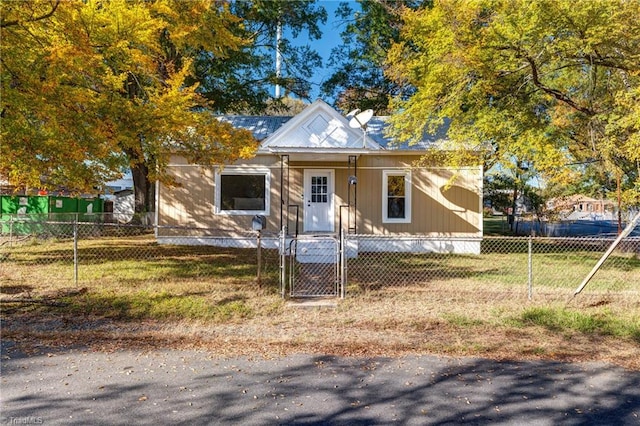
(319, 189)
(241, 192)
(396, 196)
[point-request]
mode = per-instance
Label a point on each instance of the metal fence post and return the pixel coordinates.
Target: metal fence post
(343, 265)
(610, 250)
(75, 250)
(11, 231)
(530, 265)
(283, 262)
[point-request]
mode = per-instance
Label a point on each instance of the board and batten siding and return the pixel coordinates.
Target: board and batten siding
(191, 203)
(440, 205)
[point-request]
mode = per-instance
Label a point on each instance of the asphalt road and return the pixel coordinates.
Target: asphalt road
(187, 387)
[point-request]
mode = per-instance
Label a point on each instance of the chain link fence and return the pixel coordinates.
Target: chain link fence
(312, 266)
(544, 269)
(49, 255)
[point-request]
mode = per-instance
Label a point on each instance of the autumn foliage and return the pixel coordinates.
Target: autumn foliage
(92, 87)
(553, 84)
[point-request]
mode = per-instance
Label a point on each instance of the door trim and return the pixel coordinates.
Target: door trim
(331, 192)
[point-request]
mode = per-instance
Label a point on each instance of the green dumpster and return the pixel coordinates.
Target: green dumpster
(63, 212)
(90, 209)
(23, 215)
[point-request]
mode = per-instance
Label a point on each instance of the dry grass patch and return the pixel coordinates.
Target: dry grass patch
(132, 292)
(334, 331)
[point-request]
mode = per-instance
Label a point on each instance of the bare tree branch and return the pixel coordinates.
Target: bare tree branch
(54, 6)
(556, 93)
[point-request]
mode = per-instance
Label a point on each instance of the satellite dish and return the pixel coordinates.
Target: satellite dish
(361, 119)
(353, 112)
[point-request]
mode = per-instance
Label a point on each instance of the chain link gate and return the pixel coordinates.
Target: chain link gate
(310, 266)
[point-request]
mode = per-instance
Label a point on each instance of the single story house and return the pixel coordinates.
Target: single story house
(582, 207)
(317, 174)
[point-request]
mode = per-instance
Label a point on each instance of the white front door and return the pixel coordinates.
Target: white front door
(318, 200)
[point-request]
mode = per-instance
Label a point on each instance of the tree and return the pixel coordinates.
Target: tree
(287, 106)
(549, 83)
(504, 189)
(242, 82)
(91, 86)
(358, 80)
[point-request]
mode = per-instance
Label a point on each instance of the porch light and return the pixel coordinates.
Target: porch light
(353, 180)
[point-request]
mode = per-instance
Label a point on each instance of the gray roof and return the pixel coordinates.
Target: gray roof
(264, 126)
(261, 127)
(376, 131)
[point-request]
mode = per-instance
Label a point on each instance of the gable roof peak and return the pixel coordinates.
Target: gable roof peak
(318, 126)
(321, 127)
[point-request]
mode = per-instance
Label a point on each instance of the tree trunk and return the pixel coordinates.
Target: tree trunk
(142, 189)
(514, 206)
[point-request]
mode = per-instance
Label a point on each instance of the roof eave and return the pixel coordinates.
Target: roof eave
(298, 150)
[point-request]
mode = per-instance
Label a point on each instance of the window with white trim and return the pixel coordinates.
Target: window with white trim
(242, 191)
(396, 196)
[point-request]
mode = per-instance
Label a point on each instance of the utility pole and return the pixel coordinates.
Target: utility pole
(619, 204)
(278, 59)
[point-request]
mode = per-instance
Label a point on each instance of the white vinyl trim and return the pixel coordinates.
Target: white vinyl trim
(407, 196)
(262, 171)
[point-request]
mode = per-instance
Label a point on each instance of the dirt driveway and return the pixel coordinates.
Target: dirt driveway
(87, 386)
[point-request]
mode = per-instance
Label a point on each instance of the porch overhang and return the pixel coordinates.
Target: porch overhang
(316, 155)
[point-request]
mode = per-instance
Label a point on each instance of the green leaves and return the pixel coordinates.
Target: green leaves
(242, 82)
(545, 82)
(358, 79)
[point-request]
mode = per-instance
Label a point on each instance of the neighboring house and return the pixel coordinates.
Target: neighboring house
(314, 174)
(581, 207)
(113, 187)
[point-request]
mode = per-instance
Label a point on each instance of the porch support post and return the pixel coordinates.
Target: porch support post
(284, 202)
(352, 162)
(281, 188)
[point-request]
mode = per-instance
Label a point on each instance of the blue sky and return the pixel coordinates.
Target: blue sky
(330, 39)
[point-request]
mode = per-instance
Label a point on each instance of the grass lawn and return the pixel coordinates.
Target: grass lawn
(134, 292)
(496, 225)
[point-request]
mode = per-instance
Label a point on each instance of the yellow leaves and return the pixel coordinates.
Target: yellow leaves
(210, 142)
(176, 80)
(110, 22)
(182, 18)
(199, 24)
(247, 151)
(101, 77)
